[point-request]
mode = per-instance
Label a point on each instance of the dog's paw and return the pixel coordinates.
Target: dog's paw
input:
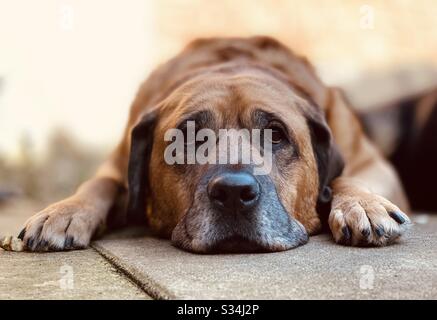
(366, 219)
(66, 225)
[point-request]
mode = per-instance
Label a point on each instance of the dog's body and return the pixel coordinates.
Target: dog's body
(409, 141)
(238, 83)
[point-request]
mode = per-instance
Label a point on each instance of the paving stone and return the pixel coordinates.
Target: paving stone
(63, 275)
(81, 274)
(318, 270)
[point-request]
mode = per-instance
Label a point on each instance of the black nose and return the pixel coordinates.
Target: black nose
(234, 191)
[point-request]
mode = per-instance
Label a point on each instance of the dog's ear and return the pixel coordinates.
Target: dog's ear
(330, 163)
(138, 169)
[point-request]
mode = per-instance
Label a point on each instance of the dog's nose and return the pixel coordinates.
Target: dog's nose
(234, 191)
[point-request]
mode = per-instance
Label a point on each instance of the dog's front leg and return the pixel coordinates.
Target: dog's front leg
(369, 204)
(71, 223)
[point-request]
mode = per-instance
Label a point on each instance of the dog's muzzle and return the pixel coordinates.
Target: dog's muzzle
(235, 211)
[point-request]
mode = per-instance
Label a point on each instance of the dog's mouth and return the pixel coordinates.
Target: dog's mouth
(238, 244)
(190, 236)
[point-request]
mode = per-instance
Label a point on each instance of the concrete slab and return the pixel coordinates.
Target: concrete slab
(81, 274)
(318, 270)
(63, 275)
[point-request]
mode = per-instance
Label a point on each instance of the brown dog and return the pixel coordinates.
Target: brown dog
(321, 158)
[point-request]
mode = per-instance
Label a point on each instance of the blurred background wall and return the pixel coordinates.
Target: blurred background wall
(69, 69)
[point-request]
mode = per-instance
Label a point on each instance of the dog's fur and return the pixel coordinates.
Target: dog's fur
(409, 141)
(327, 156)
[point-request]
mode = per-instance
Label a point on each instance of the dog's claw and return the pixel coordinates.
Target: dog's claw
(29, 243)
(68, 244)
(43, 245)
(22, 233)
(379, 230)
(346, 234)
(365, 232)
(398, 217)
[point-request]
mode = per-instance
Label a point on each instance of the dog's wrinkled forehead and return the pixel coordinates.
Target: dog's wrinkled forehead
(233, 101)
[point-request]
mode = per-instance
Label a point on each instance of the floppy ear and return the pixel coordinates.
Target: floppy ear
(138, 169)
(330, 163)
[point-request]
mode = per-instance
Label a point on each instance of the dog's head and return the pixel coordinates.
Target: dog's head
(221, 206)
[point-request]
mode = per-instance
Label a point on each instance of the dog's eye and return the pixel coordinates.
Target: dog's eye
(189, 134)
(278, 134)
